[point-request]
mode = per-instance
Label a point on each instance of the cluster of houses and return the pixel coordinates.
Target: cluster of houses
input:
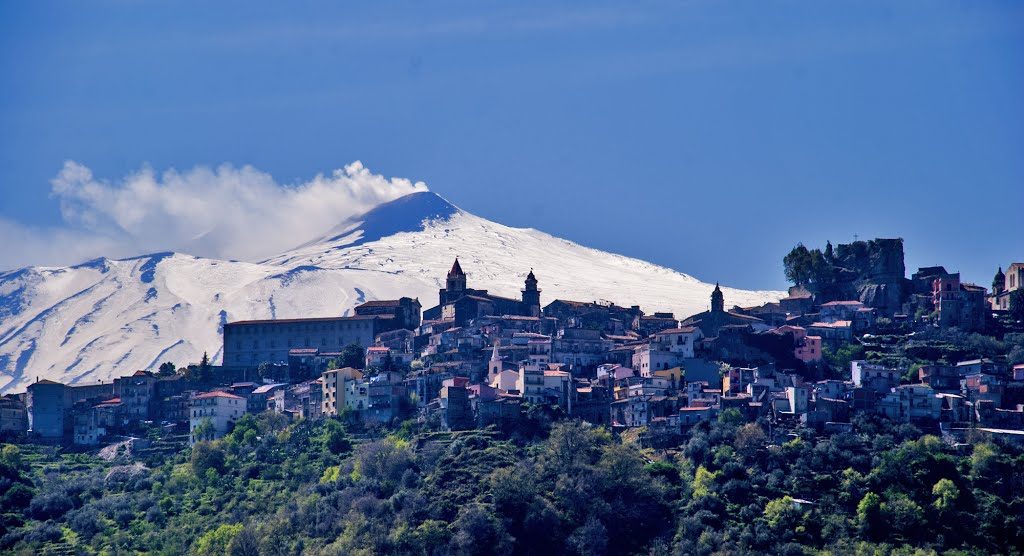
(478, 359)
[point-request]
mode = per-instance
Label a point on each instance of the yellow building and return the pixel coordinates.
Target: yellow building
(675, 376)
(334, 388)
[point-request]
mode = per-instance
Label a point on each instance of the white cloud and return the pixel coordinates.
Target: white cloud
(227, 212)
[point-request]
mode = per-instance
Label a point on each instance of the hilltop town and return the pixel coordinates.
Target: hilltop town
(854, 335)
(864, 412)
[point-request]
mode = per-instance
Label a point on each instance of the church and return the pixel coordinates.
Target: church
(459, 303)
(710, 322)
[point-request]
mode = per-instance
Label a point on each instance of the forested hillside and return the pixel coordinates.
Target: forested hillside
(271, 487)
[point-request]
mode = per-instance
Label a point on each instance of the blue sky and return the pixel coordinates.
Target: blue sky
(706, 136)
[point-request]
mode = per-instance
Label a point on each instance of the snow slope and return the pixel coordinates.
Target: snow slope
(106, 318)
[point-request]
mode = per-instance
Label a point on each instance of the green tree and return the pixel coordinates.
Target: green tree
(731, 416)
(335, 438)
(589, 539)
(266, 371)
(353, 355)
(782, 514)
(217, 541)
(946, 495)
(477, 531)
(839, 360)
(903, 516)
(798, 265)
(750, 438)
(431, 537)
(204, 372)
(205, 456)
(245, 543)
(869, 514)
(704, 482)
(11, 455)
(167, 369)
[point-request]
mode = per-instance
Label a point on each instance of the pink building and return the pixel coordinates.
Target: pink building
(945, 287)
(807, 348)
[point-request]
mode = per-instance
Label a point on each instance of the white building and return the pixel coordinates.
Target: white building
(797, 397)
(678, 340)
(873, 376)
(505, 381)
(531, 383)
(357, 394)
(647, 359)
(911, 403)
(219, 409)
(666, 349)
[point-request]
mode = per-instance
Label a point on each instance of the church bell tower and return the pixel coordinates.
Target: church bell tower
(531, 295)
(454, 286)
(717, 300)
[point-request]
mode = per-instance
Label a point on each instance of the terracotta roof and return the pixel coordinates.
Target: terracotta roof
(218, 394)
(681, 330)
(836, 324)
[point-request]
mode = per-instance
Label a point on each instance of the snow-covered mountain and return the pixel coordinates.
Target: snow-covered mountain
(106, 318)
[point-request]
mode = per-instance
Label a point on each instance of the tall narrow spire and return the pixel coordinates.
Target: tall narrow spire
(456, 281)
(531, 295)
(717, 300)
(456, 269)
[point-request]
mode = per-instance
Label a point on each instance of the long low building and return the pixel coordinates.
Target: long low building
(251, 342)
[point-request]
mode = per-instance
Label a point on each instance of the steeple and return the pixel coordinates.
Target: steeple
(999, 282)
(456, 282)
(494, 365)
(717, 300)
(531, 295)
(456, 269)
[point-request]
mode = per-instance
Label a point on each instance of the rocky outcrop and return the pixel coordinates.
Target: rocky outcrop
(870, 271)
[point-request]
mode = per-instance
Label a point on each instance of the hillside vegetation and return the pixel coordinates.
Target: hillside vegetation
(273, 487)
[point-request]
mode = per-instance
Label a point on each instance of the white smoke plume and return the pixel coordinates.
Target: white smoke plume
(227, 212)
